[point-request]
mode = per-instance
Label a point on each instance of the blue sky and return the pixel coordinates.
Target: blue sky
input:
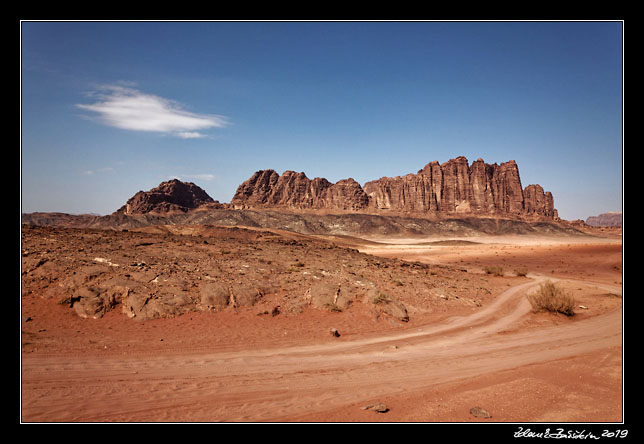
(111, 108)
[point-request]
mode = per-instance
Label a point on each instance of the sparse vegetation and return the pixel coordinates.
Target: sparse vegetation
(382, 298)
(495, 270)
(521, 271)
(333, 307)
(551, 297)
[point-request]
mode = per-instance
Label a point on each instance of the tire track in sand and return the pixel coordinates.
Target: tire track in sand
(277, 384)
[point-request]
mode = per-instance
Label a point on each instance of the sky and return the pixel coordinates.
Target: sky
(112, 108)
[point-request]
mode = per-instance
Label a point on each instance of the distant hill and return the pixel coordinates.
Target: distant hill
(613, 219)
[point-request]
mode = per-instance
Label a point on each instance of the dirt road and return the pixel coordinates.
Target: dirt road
(323, 382)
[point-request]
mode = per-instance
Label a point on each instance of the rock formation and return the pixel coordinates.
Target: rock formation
(266, 188)
(169, 197)
(453, 187)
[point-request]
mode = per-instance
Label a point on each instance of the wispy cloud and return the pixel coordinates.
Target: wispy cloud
(128, 108)
(190, 135)
(99, 170)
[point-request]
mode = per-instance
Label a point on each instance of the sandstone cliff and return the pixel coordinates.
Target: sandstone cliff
(266, 188)
(169, 197)
(453, 187)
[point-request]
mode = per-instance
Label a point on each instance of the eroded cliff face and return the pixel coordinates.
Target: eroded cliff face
(454, 187)
(266, 188)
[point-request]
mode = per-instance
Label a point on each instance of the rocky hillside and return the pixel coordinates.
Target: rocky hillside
(451, 188)
(173, 270)
(344, 224)
(169, 197)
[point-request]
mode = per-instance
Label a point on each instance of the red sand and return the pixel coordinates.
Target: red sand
(235, 366)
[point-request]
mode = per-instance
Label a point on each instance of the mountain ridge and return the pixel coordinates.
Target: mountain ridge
(451, 188)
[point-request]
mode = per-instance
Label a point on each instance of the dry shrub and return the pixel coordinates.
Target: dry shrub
(552, 298)
(494, 270)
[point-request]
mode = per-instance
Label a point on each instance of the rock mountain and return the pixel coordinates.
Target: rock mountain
(447, 189)
(451, 188)
(169, 197)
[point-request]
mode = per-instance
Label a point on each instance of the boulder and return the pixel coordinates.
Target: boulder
(214, 295)
(245, 295)
(378, 407)
(479, 412)
(384, 302)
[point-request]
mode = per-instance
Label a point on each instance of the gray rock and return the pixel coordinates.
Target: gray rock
(479, 412)
(377, 407)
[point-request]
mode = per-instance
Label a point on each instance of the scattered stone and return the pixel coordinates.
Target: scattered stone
(103, 260)
(335, 333)
(378, 407)
(479, 412)
(583, 307)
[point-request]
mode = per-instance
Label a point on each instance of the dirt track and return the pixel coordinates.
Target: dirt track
(282, 383)
(517, 365)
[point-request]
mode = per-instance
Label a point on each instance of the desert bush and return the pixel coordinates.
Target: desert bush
(521, 271)
(381, 298)
(551, 297)
(496, 270)
(332, 307)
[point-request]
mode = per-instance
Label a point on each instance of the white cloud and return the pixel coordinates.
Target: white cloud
(128, 108)
(190, 135)
(99, 170)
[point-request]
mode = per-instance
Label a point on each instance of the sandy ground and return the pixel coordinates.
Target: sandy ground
(517, 365)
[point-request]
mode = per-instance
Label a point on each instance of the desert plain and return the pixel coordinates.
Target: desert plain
(432, 329)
